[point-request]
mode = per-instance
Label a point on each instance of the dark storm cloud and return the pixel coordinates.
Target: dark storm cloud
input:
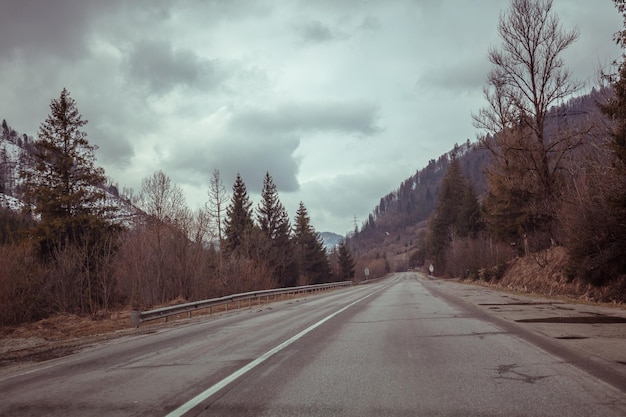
(60, 28)
(160, 66)
(261, 155)
(113, 123)
(28, 27)
(258, 140)
(315, 31)
(250, 155)
(348, 116)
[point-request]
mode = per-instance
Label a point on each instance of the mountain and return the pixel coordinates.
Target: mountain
(331, 240)
(400, 220)
(402, 213)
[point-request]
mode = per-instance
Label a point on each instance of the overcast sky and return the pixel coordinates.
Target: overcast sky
(340, 100)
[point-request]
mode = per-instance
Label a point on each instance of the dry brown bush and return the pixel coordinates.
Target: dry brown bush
(544, 273)
(154, 266)
(242, 274)
(378, 267)
(466, 257)
(22, 285)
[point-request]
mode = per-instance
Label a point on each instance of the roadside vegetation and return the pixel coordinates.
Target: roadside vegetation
(544, 188)
(70, 251)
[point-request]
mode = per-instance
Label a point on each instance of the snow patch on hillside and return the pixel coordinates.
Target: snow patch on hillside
(6, 201)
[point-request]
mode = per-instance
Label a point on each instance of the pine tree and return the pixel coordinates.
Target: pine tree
(449, 220)
(469, 220)
(238, 222)
(276, 227)
(313, 263)
(61, 180)
(346, 262)
(5, 130)
(442, 223)
(270, 209)
(509, 213)
(62, 186)
(615, 109)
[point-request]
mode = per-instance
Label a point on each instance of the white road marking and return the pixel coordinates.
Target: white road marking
(232, 377)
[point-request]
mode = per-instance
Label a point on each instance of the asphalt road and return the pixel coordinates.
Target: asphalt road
(400, 347)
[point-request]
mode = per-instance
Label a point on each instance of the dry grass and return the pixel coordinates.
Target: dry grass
(544, 273)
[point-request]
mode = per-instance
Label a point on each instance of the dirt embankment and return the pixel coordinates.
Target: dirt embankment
(544, 273)
(58, 336)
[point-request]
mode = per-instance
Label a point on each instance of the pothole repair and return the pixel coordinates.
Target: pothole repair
(577, 320)
(571, 337)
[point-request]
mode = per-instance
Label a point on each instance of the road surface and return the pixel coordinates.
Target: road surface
(397, 347)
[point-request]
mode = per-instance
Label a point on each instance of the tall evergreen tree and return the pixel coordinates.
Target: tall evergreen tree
(270, 209)
(470, 219)
(238, 222)
(455, 216)
(314, 266)
(346, 262)
(61, 179)
(275, 226)
(63, 186)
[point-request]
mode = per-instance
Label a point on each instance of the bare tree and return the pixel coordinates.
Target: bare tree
(160, 199)
(528, 77)
(166, 205)
(217, 201)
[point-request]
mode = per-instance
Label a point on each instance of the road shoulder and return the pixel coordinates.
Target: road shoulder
(590, 336)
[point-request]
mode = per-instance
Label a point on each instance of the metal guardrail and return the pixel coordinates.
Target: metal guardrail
(138, 317)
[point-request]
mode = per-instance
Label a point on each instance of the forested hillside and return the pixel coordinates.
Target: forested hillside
(407, 208)
(395, 233)
(548, 171)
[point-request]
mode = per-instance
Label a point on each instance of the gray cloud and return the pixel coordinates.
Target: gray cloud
(464, 76)
(314, 31)
(337, 200)
(258, 140)
(162, 67)
(28, 27)
(347, 116)
(251, 156)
